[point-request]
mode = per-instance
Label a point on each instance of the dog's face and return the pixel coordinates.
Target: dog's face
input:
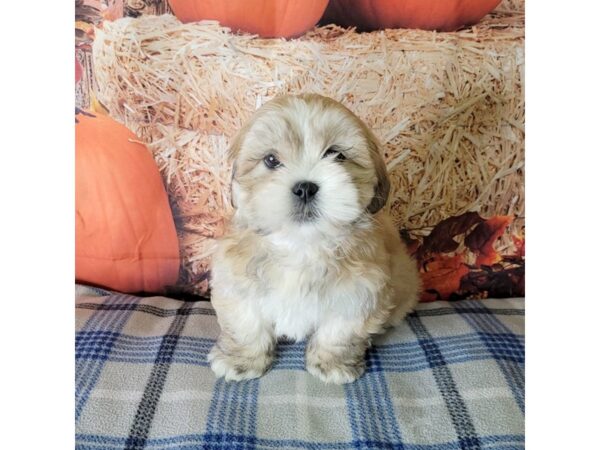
(306, 162)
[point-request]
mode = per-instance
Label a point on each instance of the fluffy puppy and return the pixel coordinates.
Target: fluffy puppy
(310, 252)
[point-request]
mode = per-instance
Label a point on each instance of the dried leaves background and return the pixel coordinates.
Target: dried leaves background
(460, 258)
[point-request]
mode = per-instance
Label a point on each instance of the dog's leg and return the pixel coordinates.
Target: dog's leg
(336, 353)
(244, 349)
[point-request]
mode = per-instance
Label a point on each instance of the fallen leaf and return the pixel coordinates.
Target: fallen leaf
(508, 282)
(114, 11)
(481, 240)
(441, 238)
(519, 245)
(442, 277)
(83, 26)
(412, 245)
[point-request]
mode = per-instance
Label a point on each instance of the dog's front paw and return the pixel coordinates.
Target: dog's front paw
(237, 368)
(334, 370)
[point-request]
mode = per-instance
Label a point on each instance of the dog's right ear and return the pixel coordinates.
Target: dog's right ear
(232, 155)
(233, 188)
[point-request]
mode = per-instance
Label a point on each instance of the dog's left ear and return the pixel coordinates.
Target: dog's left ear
(382, 187)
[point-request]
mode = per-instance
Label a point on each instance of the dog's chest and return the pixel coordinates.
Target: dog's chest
(294, 296)
(302, 291)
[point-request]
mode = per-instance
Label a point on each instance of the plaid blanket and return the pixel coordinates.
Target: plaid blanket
(451, 377)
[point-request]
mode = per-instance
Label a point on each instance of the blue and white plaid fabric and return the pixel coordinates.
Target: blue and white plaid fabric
(451, 377)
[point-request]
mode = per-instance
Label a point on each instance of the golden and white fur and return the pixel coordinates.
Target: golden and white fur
(328, 266)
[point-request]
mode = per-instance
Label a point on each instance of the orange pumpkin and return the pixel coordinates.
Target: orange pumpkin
(267, 18)
(125, 237)
(442, 15)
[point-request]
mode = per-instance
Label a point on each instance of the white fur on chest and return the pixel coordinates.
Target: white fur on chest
(293, 317)
(306, 287)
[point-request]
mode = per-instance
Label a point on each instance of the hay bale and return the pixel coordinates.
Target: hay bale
(448, 107)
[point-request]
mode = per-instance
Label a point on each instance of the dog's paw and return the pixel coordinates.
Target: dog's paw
(236, 368)
(334, 371)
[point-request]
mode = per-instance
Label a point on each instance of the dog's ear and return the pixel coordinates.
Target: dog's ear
(232, 155)
(382, 187)
(233, 188)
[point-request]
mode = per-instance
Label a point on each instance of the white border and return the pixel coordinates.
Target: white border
(37, 236)
(562, 178)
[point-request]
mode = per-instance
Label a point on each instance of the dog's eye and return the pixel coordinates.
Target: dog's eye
(333, 151)
(271, 161)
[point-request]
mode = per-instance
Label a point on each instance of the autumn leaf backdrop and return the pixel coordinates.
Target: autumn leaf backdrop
(460, 258)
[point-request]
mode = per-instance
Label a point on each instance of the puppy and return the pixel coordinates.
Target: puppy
(310, 252)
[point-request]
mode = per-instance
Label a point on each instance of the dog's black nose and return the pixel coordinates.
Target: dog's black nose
(305, 190)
